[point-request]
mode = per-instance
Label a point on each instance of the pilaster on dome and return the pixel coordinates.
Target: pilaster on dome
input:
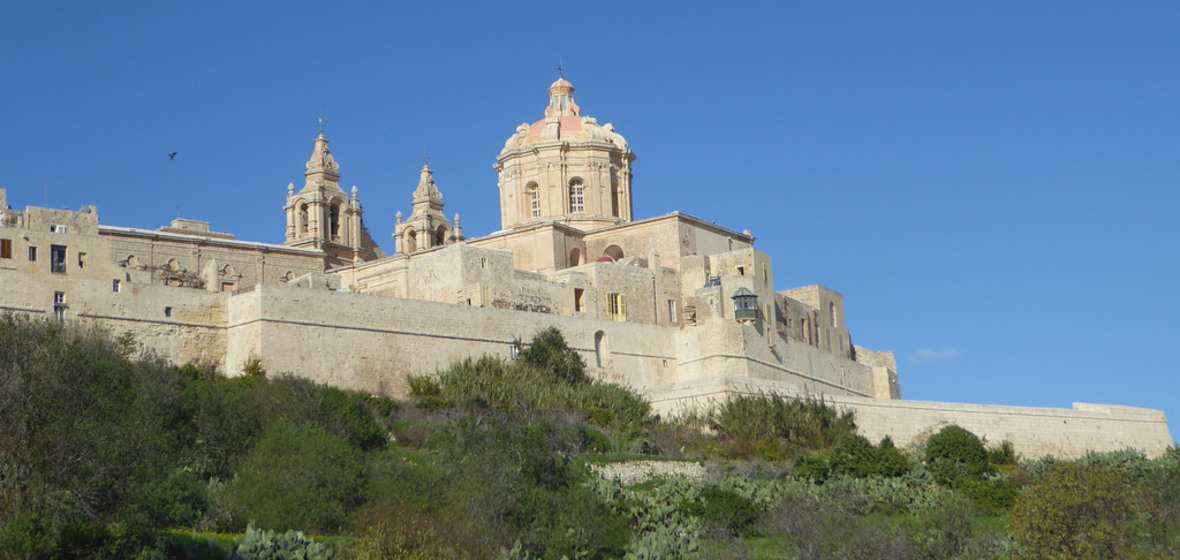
(427, 191)
(561, 100)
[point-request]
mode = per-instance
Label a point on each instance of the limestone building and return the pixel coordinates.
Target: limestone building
(683, 310)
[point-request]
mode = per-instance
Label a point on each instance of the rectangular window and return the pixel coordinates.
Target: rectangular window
(32, 253)
(5, 248)
(57, 259)
(59, 305)
(57, 229)
(616, 307)
(577, 198)
(167, 311)
(535, 201)
(115, 285)
(579, 293)
(81, 260)
(672, 318)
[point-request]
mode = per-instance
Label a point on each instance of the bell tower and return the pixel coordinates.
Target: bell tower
(322, 216)
(565, 167)
(427, 226)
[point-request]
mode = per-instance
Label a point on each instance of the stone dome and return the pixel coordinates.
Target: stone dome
(563, 122)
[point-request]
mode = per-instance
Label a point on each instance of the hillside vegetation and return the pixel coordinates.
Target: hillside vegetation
(106, 455)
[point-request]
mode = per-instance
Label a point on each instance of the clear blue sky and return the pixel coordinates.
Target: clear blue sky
(991, 185)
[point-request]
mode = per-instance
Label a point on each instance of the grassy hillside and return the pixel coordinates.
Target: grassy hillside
(103, 455)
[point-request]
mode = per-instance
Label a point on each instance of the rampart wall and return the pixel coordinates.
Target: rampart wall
(1034, 432)
(372, 343)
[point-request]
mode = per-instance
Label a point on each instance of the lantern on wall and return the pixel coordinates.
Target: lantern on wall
(745, 305)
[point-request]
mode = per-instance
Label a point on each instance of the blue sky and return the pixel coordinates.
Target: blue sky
(992, 186)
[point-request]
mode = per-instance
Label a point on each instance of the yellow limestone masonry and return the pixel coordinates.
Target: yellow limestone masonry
(682, 310)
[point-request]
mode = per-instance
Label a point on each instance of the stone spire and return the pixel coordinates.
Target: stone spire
(322, 167)
(427, 191)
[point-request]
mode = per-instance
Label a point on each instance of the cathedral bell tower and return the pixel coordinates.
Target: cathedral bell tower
(427, 226)
(322, 216)
(565, 168)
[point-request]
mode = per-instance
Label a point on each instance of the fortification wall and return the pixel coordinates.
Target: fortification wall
(723, 348)
(180, 325)
(373, 343)
(1034, 432)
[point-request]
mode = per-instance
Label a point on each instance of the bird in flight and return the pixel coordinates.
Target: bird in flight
(172, 155)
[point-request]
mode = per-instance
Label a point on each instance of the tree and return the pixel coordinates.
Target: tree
(550, 353)
(1074, 513)
(299, 477)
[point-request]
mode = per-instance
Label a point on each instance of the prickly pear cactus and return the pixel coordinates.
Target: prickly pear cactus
(265, 545)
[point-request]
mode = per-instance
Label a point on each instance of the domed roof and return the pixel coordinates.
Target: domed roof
(561, 83)
(563, 122)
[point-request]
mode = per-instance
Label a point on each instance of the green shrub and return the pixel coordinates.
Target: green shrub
(545, 379)
(853, 456)
(811, 467)
(299, 477)
(549, 353)
(1074, 512)
(800, 423)
(1003, 454)
(955, 453)
(724, 510)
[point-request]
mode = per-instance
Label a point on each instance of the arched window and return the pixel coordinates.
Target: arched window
(614, 252)
(440, 236)
(575, 257)
(533, 193)
(334, 221)
(577, 196)
(411, 243)
(302, 220)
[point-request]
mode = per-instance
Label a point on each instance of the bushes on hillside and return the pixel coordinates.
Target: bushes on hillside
(1074, 512)
(774, 426)
(298, 477)
(855, 457)
(548, 376)
(957, 458)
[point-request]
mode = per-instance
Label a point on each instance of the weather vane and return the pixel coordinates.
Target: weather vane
(322, 122)
(425, 155)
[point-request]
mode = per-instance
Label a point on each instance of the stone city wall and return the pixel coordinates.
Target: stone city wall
(373, 343)
(1034, 432)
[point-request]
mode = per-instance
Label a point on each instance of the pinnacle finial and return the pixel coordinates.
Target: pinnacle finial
(560, 68)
